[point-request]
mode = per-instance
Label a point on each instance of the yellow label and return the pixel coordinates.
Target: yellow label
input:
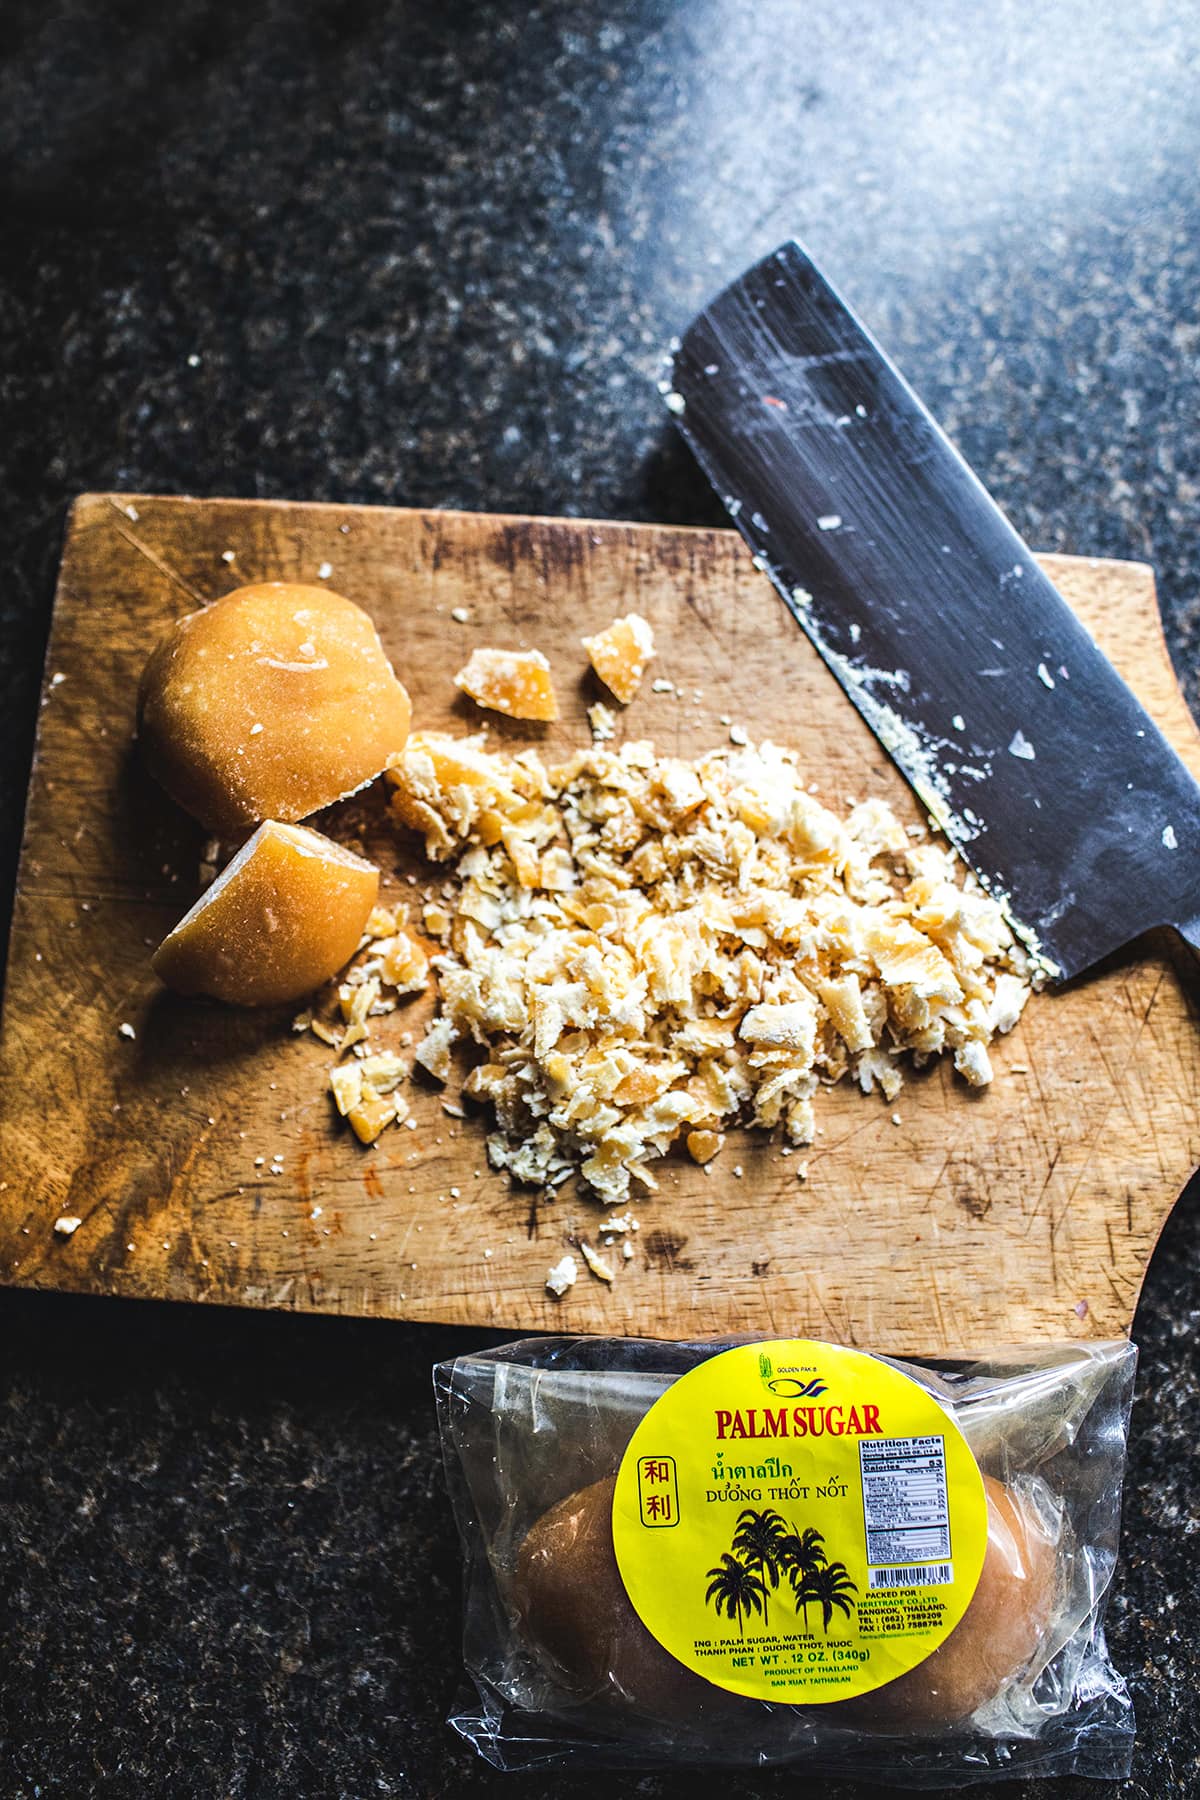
(799, 1522)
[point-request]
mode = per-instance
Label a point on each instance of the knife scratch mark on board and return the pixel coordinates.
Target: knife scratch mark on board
(152, 557)
(1037, 1205)
(1127, 1064)
(935, 1185)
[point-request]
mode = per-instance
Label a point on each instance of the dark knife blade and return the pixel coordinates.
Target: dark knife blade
(1015, 731)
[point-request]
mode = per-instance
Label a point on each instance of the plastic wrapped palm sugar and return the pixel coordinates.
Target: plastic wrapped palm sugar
(789, 1552)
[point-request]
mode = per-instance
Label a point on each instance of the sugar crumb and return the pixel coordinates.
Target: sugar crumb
(562, 1276)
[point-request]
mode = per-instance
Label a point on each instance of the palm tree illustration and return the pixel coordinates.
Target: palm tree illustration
(757, 1539)
(827, 1587)
(801, 1553)
(735, 1591)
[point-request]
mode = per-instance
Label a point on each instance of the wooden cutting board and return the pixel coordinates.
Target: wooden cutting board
(1029, 1210)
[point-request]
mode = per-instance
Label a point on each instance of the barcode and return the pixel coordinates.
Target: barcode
(923, 1575)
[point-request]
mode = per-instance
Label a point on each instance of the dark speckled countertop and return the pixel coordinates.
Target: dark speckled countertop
(431, 254)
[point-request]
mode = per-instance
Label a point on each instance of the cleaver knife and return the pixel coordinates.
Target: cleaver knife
(1015, 731)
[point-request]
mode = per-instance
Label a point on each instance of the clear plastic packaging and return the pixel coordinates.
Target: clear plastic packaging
(533, 1432)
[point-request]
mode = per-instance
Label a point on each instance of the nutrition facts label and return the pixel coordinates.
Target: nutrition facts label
(904, 1499)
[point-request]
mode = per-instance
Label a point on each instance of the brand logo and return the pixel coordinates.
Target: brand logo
(788, 1387)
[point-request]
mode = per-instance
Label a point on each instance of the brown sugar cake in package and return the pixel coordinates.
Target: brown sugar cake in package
(786, 1551)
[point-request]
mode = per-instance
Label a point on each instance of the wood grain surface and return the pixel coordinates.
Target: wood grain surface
(1029, 1210)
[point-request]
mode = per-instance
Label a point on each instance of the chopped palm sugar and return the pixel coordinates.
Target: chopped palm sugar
(433, 1052)
(648, 948)
(516, 682)
(364, 1092)
(602, 1270)
(603, 722)
(562, 1276)
(704, 1145)
(620, 654)
(390, 966)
